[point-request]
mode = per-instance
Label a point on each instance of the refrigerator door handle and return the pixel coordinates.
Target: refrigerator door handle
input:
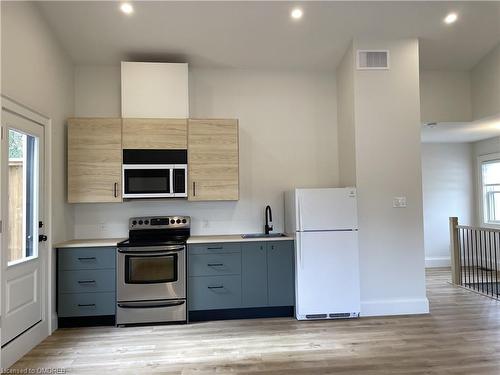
(299, 251)
(299, 213)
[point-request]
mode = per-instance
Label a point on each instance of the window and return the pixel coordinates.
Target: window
(490, 181)
(23, 180)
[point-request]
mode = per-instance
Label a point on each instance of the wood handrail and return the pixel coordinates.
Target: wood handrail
(478, 228)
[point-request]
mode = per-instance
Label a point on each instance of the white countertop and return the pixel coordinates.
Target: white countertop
(109, 242)
(233, 238)
(95, 242)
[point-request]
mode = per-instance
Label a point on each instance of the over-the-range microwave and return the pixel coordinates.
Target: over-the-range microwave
(154, 174)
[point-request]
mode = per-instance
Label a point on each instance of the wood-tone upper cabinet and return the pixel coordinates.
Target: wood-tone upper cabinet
(213, 160)
(156, 133)
(94, 160)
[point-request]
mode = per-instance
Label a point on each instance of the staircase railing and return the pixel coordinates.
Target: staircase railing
(475, 257)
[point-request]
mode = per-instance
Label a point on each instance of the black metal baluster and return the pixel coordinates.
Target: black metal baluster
(496, 264)
(473, 259)
(468, 257)
(491, 265)
(482, 260)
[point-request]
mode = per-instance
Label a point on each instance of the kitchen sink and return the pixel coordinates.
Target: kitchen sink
(263, 235)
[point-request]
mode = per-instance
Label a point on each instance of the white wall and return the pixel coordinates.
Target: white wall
(445, 96)
(288, 137)
(387, 122)
(346, 118)
(486, 85)
(448, 190)
(37, 73)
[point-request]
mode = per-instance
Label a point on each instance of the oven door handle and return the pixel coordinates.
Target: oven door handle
(149, 305)
(151, 252)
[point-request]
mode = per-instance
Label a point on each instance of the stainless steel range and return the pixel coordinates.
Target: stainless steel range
(151, 271)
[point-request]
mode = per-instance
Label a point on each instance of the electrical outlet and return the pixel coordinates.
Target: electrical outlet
(399, 202)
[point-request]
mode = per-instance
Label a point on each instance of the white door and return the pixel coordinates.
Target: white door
(327, 273)
(22, 213)
(327, 209)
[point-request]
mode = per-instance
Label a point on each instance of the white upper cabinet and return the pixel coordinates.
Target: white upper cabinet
(154, 90)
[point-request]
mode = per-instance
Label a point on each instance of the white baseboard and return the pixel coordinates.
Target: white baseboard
(395, 307)
(16, 349)
(436, 262)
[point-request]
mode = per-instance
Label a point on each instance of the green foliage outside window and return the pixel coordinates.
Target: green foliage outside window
(15, 145)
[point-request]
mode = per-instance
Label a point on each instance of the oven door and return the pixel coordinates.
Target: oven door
(148, 181)
(151, 273)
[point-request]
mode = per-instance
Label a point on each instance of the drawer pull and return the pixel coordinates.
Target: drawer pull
(86, 305)
(87, 258)
(214, 248)
(86, 281)
(216, 287)
(215, 264)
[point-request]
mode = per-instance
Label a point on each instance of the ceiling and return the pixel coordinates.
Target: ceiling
(261, 34)
(462, 132)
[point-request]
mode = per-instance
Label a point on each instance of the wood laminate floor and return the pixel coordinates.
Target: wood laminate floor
(460, 336)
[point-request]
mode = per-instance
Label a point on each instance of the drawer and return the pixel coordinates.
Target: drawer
(86, 304)
(86, 258)
(215, 248)
(214, 264)
(82, 281)
(214, 292)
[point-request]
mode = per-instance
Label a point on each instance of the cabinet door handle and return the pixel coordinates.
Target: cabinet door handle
(86, 281)
(86, 305)
(216, 287)
(86, 258)
(215, 264)
(215, 248)
(115, 190)
(194, 188)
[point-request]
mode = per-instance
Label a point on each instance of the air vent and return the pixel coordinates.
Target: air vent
(316, 316)
(373, 59)
(340, 315)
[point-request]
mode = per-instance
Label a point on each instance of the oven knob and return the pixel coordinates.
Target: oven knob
(184, 221)
(134, 222)
(146, 222)
(178, 221)
(140, 222)
(172, 221)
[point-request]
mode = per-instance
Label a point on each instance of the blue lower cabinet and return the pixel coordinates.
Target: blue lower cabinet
(214, 292)
(254, 274)
(86, 304)
(86, 284)
(248, 279)
(281, 273)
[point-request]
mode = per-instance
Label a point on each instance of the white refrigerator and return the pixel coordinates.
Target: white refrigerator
(325, 224)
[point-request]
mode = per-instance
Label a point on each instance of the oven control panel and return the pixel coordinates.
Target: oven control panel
(159, 222)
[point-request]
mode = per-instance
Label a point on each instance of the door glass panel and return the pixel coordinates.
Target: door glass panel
(23, 200)
(150, 269)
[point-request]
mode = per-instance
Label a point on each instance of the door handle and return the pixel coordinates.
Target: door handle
(86, 305)
(194, 188)
(215, 287)
(42, 238)
(215, 264)
(115, 190)
(86, 281)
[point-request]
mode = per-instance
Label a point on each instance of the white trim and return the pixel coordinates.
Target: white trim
(29, 339)
(479, 198)
(437, 262)
(17, 348)
(395, 307)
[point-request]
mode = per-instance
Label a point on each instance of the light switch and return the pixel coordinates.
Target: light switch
(399, 202)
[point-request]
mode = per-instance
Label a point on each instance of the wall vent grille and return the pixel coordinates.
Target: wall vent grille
(373, 59)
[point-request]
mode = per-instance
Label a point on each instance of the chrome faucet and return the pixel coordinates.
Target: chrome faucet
(269, 220)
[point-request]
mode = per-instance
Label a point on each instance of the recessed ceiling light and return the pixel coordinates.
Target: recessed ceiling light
(296, 13)
(450, 18)
(127, 8)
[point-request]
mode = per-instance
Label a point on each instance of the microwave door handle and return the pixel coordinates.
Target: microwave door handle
(171, 172)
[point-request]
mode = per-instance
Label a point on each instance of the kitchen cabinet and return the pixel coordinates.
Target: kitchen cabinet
(94, 160)
(268, 274)
(213, 160)
(254, 274)
(86, 279)
(151, 134)
(244, 279)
